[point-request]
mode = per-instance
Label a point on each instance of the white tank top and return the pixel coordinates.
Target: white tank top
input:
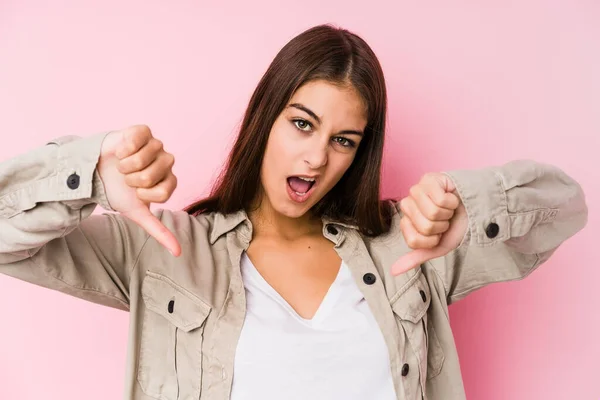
(338, 354)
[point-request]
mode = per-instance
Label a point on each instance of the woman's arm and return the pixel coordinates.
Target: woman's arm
(518, 215)
(47, 233)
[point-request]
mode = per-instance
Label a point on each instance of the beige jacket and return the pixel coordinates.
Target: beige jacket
(186, 312)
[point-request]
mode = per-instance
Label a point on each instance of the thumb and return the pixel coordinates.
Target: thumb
(151, 224)
(415, 258)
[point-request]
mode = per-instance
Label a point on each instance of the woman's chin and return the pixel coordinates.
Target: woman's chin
(293, 212)
(291, 209)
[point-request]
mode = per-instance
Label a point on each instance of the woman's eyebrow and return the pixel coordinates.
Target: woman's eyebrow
(306, 110)
(347, 132)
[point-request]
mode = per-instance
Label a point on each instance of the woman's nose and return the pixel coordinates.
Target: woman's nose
(316, 157)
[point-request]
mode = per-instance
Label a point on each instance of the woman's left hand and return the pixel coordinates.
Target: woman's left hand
(434, 221)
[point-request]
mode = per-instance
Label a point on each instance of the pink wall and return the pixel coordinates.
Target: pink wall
(470, 84)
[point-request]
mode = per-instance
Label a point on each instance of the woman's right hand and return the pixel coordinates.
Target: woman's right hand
(137, 171)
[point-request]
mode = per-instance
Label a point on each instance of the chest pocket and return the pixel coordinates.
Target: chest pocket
(410, 307)
(170, 356)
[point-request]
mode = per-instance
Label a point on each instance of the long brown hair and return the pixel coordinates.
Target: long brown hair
(325, 53)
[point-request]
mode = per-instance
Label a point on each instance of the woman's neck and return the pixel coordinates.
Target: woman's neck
(267, 222)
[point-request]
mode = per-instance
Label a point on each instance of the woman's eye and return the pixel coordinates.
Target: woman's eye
(302, 124)
(344, 142)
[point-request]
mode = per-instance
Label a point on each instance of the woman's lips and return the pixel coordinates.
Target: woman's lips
(299, 197)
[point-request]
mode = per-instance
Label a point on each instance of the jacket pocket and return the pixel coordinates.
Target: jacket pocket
(170, 355)
(410, 306)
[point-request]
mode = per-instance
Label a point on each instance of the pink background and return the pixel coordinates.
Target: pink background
(470, 84)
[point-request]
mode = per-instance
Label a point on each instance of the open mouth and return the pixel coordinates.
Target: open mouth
(300, 185)
(300, 188)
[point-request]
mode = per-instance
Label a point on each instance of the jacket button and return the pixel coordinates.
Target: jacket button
(423, 296)
(369, 278)
(405, 369)
(171, 306)
(73, 181)
(492, 230)
(331, 229)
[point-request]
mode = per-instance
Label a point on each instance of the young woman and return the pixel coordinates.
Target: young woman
(293, 280)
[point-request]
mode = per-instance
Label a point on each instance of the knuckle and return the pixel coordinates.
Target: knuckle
(412, 241)
(428, 228)
(127, 148)
(142, 194)
(437, 198)
(121, 167)
(163, 194)
(141, 136)
(455, 201)
(414, 190)
(429, 243)
(170, 159)
(137, 163)
(449, 200)
(425, 177)
(403, 204)
(143, 129)
(129, 180)
(430, 214)
(145, 179)
(135, 142)
(435, 213)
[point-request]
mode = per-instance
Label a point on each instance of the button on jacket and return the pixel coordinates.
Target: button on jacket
(187, 312)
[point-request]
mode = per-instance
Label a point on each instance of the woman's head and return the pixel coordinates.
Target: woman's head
(319, 111)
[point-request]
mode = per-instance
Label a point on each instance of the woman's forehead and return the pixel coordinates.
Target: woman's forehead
(330, 101)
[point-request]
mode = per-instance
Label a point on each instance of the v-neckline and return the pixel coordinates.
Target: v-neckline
(324, 306)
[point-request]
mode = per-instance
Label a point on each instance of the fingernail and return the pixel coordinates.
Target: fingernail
(170, 251)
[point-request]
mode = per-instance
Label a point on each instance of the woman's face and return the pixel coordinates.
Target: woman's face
(311, 145)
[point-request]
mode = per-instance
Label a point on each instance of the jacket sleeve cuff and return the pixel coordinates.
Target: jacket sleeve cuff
(484, 198)
(78, 159)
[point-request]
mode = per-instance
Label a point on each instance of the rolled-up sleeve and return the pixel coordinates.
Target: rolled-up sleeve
(48, 235)
(519, 214)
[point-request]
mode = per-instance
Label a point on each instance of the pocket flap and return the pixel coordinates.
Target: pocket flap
(412, 301)
(182, 308)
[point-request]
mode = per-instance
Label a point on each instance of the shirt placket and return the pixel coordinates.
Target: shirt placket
(351, 248)
(228, 326)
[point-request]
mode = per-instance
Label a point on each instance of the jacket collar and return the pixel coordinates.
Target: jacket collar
(224, 223)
